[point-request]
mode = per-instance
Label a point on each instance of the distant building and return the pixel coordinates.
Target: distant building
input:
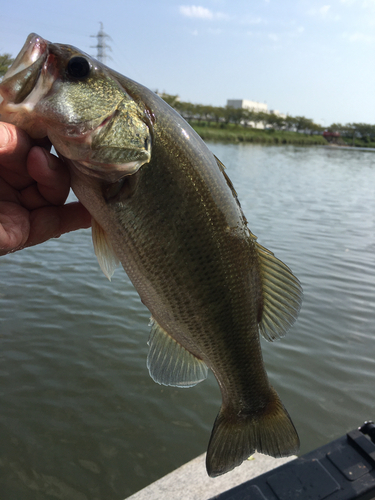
(253, 106)
(277, 113)
(245, 104)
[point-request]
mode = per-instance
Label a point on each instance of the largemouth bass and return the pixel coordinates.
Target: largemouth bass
(163, 206)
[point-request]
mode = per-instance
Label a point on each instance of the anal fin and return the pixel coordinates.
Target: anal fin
(169, 363)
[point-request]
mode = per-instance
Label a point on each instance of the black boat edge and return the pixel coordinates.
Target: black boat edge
(341, 470)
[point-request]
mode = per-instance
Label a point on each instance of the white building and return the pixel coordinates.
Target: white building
(245, 104)
(277, 113)
(253, 106)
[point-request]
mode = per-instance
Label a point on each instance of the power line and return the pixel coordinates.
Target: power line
(102, 45)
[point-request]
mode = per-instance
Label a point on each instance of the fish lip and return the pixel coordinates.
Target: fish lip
(21, 77)
(112, 173)
(33, 49)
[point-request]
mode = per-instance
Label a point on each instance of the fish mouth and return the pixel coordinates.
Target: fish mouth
(21, 77)
(29, 87)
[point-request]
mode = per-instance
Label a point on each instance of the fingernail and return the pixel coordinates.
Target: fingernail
(4, 136)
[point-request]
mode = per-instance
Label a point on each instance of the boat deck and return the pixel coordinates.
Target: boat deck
(341, 470)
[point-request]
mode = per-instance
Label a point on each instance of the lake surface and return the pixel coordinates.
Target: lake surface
(80, 418)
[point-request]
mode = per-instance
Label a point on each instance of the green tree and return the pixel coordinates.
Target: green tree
(5, 61)
(275, 121)
(261, 118)
(316, 129)
(344, 130)
(199, 112)
(238, 116)
(303, 124)
(365, 131)
(186, 109)
(248, 117)
(210, 113)
(218, 113)
(290, 123)
(170, 99)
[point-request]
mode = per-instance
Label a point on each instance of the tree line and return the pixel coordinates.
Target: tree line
(229, 115)
(353, 131)
(240, 116)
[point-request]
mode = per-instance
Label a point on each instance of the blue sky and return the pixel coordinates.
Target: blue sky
(302, 57)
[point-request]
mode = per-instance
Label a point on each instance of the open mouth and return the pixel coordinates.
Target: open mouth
(21, 77)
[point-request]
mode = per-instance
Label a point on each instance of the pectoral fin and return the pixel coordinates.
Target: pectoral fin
(103, 249)
(282, 296)
(169, 363)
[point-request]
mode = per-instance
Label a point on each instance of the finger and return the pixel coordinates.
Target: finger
(14, 147)
(7, 192)
(52, 222)
(31, 199)
(51, 175)
(14, 227)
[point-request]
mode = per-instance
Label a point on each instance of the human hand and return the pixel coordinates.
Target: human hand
(34, 185)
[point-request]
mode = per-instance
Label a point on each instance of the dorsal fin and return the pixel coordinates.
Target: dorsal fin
(231, 187)
(169, 363)
(282, 295)
(107, 258)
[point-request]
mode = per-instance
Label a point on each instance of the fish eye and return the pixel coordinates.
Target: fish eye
(78, 67)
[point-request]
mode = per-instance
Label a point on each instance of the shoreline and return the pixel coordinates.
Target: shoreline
(237, 134)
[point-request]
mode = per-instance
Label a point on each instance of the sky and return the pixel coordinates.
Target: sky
(302, 57)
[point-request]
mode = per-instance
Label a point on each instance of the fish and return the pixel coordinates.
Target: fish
(164, 207)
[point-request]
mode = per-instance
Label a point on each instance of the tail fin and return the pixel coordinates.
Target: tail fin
(235, 437)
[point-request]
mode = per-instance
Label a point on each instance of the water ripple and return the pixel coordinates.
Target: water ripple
(80, 417)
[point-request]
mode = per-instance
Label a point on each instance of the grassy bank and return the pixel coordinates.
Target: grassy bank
(358, 143)
(237, 133)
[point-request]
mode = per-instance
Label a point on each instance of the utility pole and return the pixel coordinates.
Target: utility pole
(102, 45)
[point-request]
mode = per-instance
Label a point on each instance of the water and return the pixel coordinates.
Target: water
(80, 418)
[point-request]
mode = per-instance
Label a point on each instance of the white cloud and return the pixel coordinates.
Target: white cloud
(199, 12)
(196, 11)
(324, 10)
(273, 37)
(321, 12)
(295, 33)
